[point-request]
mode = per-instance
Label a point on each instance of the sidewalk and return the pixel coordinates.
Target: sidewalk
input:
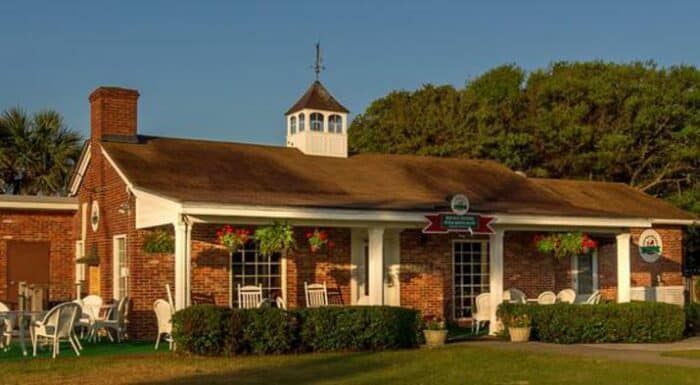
(644, 353)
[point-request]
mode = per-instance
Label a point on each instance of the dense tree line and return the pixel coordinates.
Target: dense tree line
(37, 152)
(635, 123)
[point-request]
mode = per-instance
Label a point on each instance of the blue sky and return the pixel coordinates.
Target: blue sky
(229, 70)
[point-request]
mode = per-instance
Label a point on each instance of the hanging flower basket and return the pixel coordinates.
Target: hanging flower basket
(277, 238)
(318, 239)
(232, 239)
(562, 245)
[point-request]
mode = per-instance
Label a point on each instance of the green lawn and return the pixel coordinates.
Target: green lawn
(456, 364)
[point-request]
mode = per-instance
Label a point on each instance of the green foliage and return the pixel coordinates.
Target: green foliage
(37, 152)
(358, 328)
(634, 322)
(211, 330)
(692, 316)
(633, 123)
(277, 238)
(158, 241)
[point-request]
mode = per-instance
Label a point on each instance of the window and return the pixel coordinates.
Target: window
(584, 273)
(121, 267)
(471, 274)
(316, 120)
(248, 267)
(335, 124)
(301, 122)
(293, 124)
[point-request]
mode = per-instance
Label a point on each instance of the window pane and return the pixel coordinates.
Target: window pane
(250, 268)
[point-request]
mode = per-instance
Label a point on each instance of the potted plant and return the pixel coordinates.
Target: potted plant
(434, 331)
(232, 239)
(278, 238)
(318, 239)
(519, 327)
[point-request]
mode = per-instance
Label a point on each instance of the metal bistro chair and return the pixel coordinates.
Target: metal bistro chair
(316, 294)
(249, 297)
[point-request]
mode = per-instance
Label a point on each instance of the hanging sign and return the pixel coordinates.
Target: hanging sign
(458, 221)
(650, 246)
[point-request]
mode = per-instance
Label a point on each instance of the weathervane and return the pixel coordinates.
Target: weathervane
(318, 65)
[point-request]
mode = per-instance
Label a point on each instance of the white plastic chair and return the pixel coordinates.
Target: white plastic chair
(593, 299)
(91, 306)
(117, 320)
(249, 297)
(566, 296)
(482, 311)
(547, 298)
(57, 325)
(514, 295)
(164, 316)
(8, 322)
(316, 294)
(279, 301)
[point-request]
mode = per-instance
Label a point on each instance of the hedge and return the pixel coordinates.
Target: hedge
(634, 322)
(211, 330)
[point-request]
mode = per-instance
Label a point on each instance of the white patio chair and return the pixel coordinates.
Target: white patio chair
(514, 295)
(547, 298)
(164, 316)
(117, 320)
(316, 294)
(8, 323)
(279, 301)
(57, 325)
(91, 306)
(482, 311)
(567, 296)
(249, 297)
(593, 299)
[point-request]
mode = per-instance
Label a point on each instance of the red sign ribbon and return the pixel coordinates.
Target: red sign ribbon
(436, 224)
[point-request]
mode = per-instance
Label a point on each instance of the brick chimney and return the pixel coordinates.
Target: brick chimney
(113, 113)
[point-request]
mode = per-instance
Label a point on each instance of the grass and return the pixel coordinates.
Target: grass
(690, 354)
(90, 349)
(456, 364)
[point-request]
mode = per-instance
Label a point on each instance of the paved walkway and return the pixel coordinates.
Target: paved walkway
(645, 353)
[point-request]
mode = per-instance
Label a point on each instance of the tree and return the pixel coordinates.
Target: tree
(37, 154)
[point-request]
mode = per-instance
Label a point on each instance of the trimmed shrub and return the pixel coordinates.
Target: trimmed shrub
(202, 329)
(692, 317)
(211, 330)
(633, 322)
(358, 328)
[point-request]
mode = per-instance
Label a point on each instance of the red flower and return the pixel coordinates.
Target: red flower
(322, 235)
(309, 235)
(331, 244)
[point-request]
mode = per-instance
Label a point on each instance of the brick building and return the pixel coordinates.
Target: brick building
(375, 208)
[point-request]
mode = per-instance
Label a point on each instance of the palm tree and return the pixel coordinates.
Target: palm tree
(37, 152)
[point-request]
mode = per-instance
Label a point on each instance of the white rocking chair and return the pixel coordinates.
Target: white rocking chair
(316, 294)
(249, 297)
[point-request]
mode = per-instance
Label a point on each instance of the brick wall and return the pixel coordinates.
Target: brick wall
(54, 227)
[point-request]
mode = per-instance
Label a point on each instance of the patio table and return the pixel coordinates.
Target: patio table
(23, 321)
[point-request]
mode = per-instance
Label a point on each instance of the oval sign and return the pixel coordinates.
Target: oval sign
(460, 204)
(650, 246)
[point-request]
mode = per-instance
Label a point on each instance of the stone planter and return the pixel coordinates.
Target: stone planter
(435, 337)
(521, 334)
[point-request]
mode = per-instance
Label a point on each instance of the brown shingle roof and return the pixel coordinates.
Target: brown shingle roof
(317, 97)
(234, 173)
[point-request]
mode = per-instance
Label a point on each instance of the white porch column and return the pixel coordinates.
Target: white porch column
(623, 267)
(180, 265)
(376, 265)
(495, 277)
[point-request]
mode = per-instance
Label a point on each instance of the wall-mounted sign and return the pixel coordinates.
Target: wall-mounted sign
(450, 223)
(650, 246)
(459, 204)
(458, 221)
(95, 215)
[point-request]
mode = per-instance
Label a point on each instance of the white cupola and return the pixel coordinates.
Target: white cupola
(317, 124)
